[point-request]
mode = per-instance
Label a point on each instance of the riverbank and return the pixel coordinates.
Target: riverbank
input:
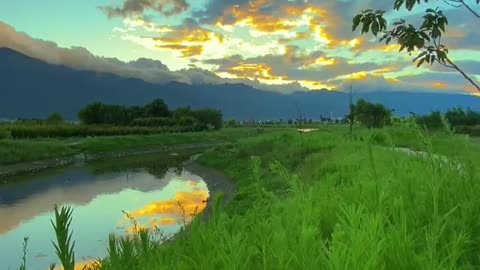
(327, 200)
(323, 200)
(20, 151)
(35, 166)
(29, 156)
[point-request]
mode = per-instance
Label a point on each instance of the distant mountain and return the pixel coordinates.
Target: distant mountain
(32, 88)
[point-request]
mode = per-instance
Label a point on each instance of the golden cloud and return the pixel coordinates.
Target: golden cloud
(303, 35)
(363, 75)
(187, 51)
(254, 71)
(191, 202)
(439, 85)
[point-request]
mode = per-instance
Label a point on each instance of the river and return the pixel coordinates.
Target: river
(153, 189)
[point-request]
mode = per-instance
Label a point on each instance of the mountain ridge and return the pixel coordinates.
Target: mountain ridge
(33, 88)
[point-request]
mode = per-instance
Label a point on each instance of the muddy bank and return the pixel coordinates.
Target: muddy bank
(35, 166)
(216, 182)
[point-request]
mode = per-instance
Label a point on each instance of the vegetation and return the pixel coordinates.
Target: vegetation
(457, 119)
(372, 115)
(155, 114)
(426, 39)
(55, 119)
(316, 202)
(15, 151)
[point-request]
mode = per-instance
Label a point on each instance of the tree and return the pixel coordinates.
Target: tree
(210, 117)
(183, 112)
(158, 108)
(372, 115)
(427, 38)
(55, 119)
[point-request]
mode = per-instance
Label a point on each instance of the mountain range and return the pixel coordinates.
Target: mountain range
(31, 88)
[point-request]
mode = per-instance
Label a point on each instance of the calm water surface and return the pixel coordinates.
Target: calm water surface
(99, 193)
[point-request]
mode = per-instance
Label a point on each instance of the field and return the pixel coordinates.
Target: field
(326, 200)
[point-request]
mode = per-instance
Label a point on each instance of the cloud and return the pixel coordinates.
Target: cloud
(137, 8)
(152, 71)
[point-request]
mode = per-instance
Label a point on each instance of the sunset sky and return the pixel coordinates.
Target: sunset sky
(300, 44)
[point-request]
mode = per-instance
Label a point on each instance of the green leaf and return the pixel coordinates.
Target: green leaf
(366, 24)
(436, 32)
(424, 35)
(420, 62)
(356, 21)
(422, 54)
(375, 28)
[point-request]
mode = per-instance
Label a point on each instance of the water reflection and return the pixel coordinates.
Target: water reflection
(98, 202)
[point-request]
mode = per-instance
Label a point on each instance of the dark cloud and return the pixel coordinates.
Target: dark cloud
(137, 8)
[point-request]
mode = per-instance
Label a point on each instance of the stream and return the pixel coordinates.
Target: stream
(155, 189)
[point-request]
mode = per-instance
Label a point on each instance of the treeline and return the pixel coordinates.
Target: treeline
(459, 120)
(155, 114)
(98, 119)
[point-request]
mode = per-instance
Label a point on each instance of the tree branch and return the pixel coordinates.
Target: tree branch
(448, 2)
(445, 65)
(470, 9)
(463, 73)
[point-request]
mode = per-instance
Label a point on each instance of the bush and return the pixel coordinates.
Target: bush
(5, 134)
(154, 122)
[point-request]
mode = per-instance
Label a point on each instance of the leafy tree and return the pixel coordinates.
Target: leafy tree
(372, 115)
(427, 38)
(432, 121)
(210, 117)
(158, 108)
(183, 112)
(55, 119)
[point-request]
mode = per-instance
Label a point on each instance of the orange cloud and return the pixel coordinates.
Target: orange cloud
(187, 35)
(302, 35)
(187, 51)
(439, 85)
(254, 71)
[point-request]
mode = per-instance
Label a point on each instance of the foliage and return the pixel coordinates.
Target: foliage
(432, 121)
(55, 119)
(458, 117)
(372, 115)
(157, 108)
(425, 39)
(70, 130)
(64, 246)
(4, 133)
(99, 113)
(26, 150)
(155, 114)
(210, 117)
(327, 206)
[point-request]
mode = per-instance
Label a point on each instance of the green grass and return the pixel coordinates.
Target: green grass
(324, 201)
(17, 151)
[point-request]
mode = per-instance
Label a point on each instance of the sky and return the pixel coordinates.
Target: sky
(277, 45)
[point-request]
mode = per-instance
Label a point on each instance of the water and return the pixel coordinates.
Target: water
(98, 193)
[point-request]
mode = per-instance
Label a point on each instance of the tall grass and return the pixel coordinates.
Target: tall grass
(336, 203)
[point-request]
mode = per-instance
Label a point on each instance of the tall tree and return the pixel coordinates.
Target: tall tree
(427, 38)
(158, 108)
(372, 115)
